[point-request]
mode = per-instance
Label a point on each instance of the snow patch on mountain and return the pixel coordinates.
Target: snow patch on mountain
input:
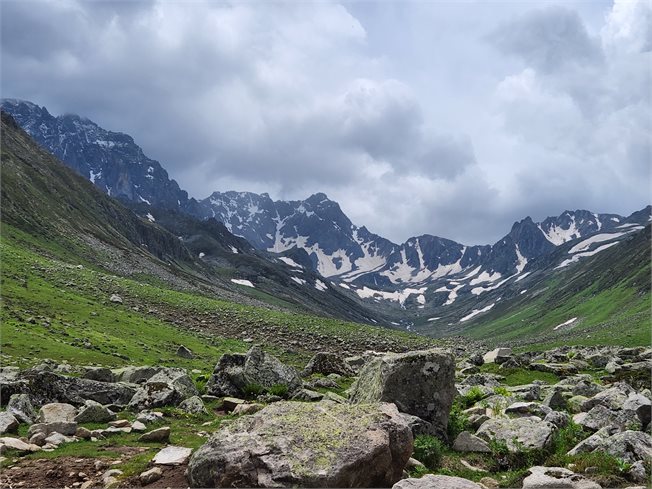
(399, 296)
(475, 312)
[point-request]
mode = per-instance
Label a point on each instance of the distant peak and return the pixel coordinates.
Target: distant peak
(317, 198)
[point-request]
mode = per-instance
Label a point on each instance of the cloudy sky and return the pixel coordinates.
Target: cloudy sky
(449, 118)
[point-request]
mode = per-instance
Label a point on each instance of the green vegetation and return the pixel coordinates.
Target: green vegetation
(428, 450)
(519, 376)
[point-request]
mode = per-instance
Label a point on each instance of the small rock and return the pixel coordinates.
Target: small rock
(229, 403)
(94, 412)
(467, 442)
(430, 481)
(19, 445)
(138, 426)
(556, 477)
(172, 455)
(184, 352)
(120, 423)
(248, 408)
(83, 433)
(151, 475)
(161, 435)
(21, 407)
(116, 299)
(193, 405)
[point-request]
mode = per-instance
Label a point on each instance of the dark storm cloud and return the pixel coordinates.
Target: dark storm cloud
(423, 129)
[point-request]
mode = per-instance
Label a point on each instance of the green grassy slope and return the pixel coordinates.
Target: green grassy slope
(609, 294)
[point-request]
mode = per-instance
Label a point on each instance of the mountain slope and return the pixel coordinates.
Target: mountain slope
(111, 160)
(66, 215)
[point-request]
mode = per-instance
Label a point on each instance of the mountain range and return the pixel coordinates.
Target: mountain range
(426, 275)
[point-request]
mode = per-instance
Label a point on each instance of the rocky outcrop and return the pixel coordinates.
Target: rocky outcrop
(45, 387)
(169, 387)
(234, 373)
(420, 383)
(307, 445)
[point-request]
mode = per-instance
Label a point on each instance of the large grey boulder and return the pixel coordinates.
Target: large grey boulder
(630, 446)
(21, 407)
(234, 372)
(169, 387)
(56, 412)
(94, 412)
(421, 383)
(430, 481)
(290, 444)
(557, 478)
(46, 387)
(602, 417)
(327, 363)
(8, 423)
(640, 405)
(612, 398)
(518, 433)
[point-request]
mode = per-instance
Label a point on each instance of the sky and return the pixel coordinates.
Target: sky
(419, 117)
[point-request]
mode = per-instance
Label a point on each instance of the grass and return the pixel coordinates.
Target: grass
(68, 303)
(519, 376)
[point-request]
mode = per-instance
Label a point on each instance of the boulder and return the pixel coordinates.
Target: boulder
(172, 455)
(169, 387)
(417, 425)
(184, 352)
(193, 405)
(252, 408)
(8, 423)
(151, 475)
(630, 446)
(94, 412)
(499, 355)
(560, 369)
(467, 442)
(430, 481)
(135, 375)
(159, 435)
(290, 444)
(18, 445)
(517, 433)
(63, 427)
(556, 399)
(307, 395)
(640, 405)
(21, 407)
(612, 398)
(420, 383)
(46, 387)
(235, 372)
(101, 374)
(556, 478)
(601, 417)
(559, 418)
(327, 363)
(527, 409)
(56, 412)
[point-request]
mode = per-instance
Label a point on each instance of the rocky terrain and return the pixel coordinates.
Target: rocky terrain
(572, 417)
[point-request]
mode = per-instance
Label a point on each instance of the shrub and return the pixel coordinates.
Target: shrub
(253, 390)
(428, 450)
(457, 422)
(474, 395)
(280, 390)
(502, 391)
